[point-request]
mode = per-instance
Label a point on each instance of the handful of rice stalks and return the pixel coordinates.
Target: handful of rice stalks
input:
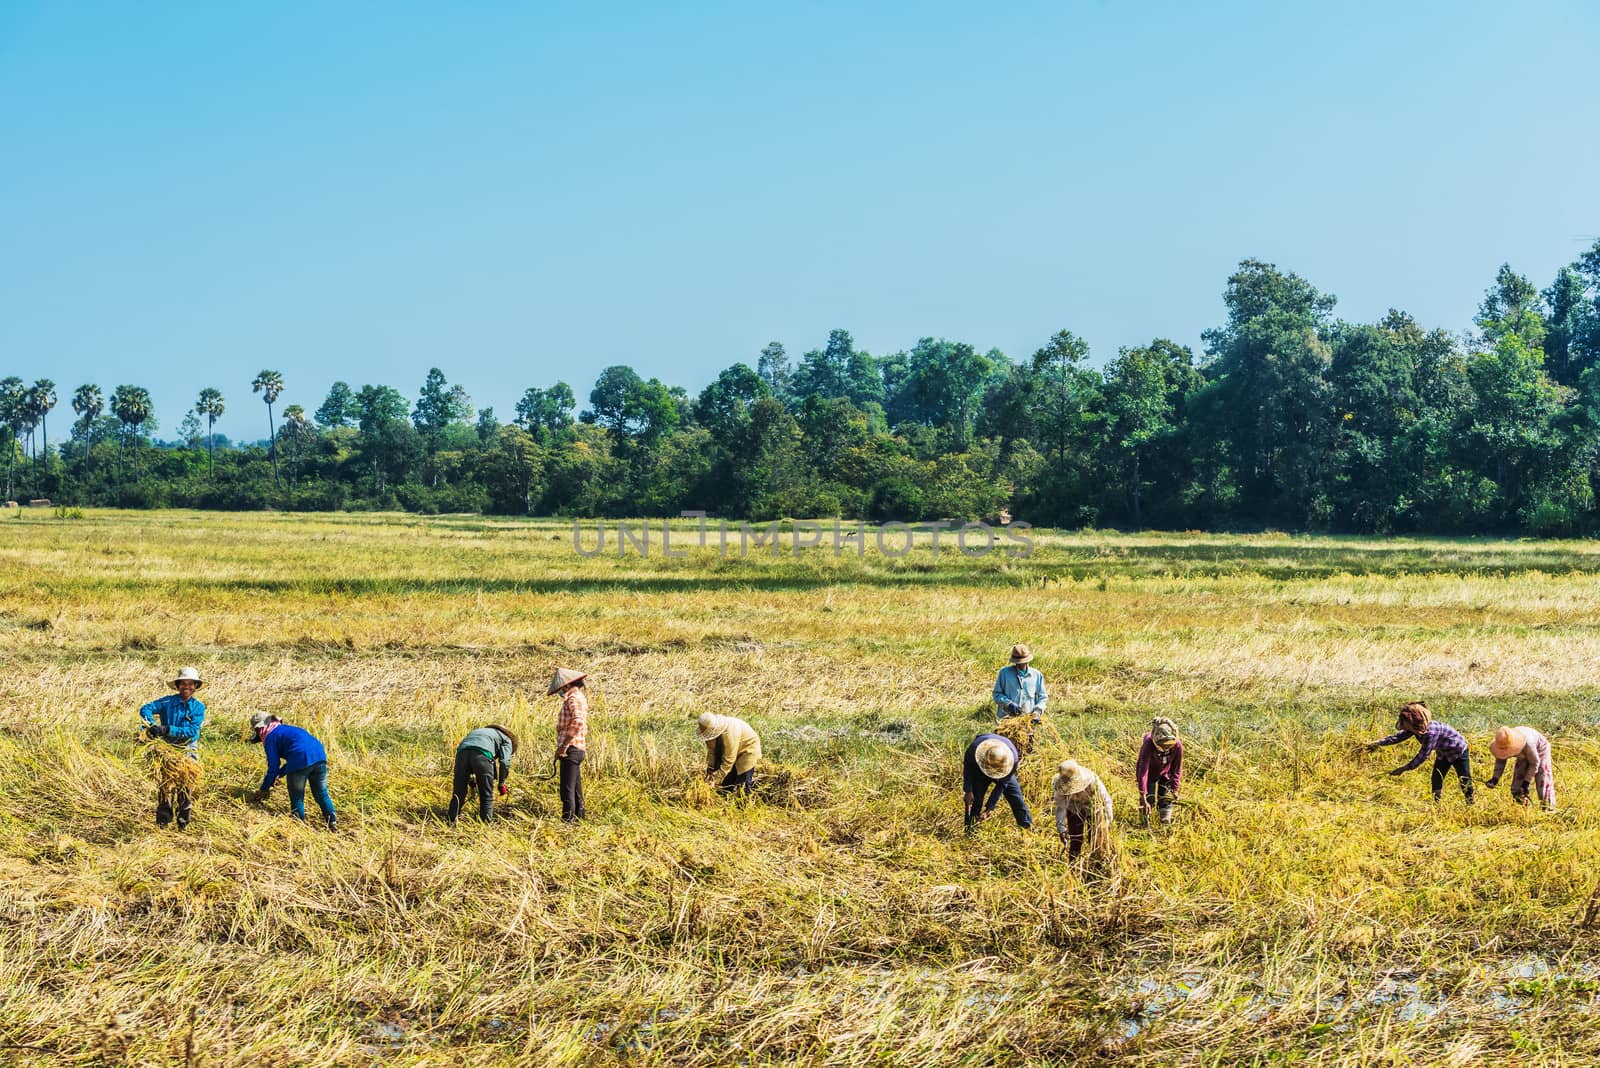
(175, 769)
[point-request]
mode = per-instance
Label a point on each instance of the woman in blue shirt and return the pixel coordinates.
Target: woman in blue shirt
(297, 756)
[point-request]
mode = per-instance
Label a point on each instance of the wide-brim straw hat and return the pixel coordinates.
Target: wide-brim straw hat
(1020, 654)
(711, 726)
(188, 674)
(564, 677)
(995, 758)
(1073, 778)
(1508, 742)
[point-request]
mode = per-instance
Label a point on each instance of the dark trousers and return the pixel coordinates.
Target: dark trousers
(1075, 829)
(570, 768)
(1160, 798)
(1463, 769)
(473, 764)
(168, 799)
(317, 777)
(738, 782)
(1011, 790)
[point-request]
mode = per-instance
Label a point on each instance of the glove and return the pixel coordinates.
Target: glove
(1011, 708)
(503, 791)
(155, 731)
(261, 797)
(1037, 718)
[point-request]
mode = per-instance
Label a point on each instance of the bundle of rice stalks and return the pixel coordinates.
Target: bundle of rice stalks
(1028, 734)
(794, 787)
(175, 769)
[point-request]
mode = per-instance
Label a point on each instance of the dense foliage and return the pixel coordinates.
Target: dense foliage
(1289, 418)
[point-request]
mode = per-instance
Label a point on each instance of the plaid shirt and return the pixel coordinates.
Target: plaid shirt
(572, 722)
(1442, 740)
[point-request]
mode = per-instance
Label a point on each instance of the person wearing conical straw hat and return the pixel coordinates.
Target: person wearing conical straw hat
(1083, 811)
(572, 739)
(1019, 689)
(1159, 769)
(733, 749)
(1531, 752)
(176, 719)
(1449, 748)
(476, 759)
(989, 766)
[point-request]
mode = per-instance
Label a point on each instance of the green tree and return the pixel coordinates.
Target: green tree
(296, 434)
(1063, 392)
(42, 399)
(89, 403)
(1510, 306)
(723, 407)
(133, 409)
(14, 416)
(1568, 306)
(1146, 390)
(338, 408)
(773, 367)
(1270, 372)
(512, 469)
(546, 413)
(270, 385)
(388, 441)
(211, 406)
(826, 372)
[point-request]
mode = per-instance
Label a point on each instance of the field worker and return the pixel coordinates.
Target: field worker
(572, 739)
(1531, 750)
(732, 751)
(1159, 769)
(1019, 688)
(990, 762)
(476, 758)
(1449, 749)
(176, 719)
(300, 759)
(1083, 812)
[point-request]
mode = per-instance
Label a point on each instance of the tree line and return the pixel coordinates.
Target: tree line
(1289, 417)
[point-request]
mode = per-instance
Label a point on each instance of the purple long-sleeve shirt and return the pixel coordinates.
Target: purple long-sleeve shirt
(1158, 765)
(1442, 740)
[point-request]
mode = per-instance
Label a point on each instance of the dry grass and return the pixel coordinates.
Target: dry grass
(1305, 908)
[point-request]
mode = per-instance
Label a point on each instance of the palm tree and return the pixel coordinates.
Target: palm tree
(131, 405)
(211, 406)
(88, 402)
(13, 415)
(43, 396)
(295, 429)
(270, 385)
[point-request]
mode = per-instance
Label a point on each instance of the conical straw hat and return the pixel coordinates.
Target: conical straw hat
(564, 677)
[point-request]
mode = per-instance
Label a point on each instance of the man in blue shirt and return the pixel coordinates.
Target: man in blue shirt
(176, 719)
(297, 756)
(1019, 689)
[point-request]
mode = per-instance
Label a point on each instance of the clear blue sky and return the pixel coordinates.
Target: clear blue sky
(523, 192)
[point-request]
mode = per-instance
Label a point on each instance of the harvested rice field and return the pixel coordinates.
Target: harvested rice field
(1304, 908)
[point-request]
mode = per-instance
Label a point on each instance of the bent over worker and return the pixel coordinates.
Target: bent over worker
(733, 749)
(476, 758)
(296, 755)
(990, 764)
